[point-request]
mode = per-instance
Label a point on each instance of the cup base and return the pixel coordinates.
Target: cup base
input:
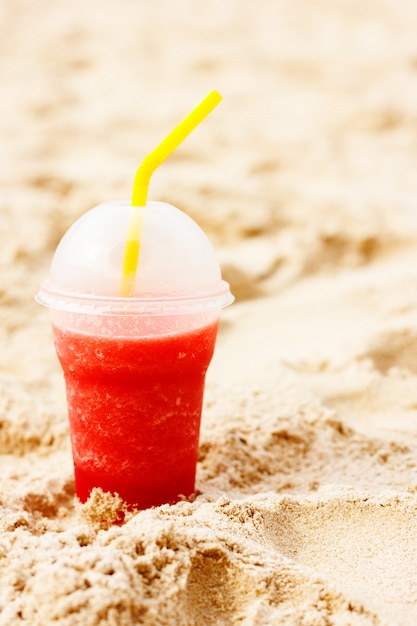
(134, 494)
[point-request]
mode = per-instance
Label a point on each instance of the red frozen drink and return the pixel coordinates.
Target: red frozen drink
(134, 407)
(135, 366)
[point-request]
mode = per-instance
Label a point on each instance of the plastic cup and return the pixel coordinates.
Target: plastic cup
(135, 367)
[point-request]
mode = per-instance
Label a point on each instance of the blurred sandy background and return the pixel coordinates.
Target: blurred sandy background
(304, 178)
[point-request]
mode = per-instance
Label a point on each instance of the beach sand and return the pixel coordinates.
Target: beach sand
(304, 179)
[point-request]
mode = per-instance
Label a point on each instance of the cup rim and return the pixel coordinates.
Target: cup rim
(73, 302)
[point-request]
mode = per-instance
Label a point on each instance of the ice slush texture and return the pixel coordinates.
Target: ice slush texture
(134, 407)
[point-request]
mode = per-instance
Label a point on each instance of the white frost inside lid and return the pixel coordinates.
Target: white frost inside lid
(176, 259)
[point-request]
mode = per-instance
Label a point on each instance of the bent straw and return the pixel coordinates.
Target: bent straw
(141, 185)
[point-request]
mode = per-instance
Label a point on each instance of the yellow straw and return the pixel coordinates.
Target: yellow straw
(141, 185)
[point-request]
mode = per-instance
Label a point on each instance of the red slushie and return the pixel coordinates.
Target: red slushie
(134, 405)
(135, 365)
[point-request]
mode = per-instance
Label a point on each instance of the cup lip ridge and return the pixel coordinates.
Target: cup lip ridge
(73, 302)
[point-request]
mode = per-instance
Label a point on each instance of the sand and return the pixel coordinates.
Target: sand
(305, 181)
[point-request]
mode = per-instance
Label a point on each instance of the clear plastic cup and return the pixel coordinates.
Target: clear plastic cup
(135, 367)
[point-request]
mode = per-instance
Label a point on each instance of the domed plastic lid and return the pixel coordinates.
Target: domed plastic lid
(177, 270)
